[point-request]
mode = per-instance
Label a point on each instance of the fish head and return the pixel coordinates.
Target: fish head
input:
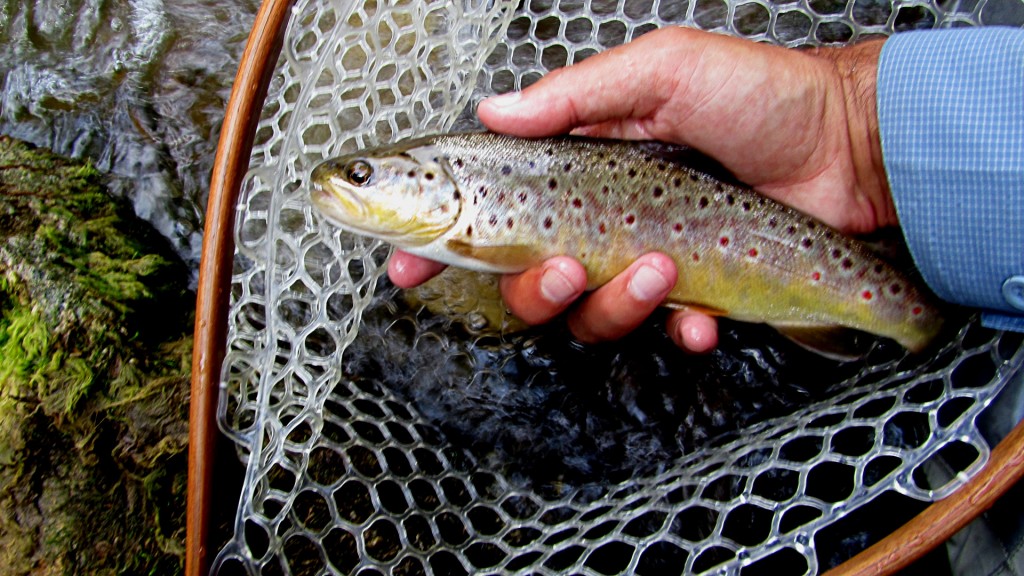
(408, 200)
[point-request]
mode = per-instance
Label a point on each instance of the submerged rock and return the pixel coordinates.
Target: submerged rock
(95, 353)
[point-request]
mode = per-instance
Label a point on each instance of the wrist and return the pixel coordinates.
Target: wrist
(856, 72)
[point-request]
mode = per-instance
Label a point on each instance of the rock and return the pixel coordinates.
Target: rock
(95, 344)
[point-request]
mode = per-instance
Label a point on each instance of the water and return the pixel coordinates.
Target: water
(139, 87)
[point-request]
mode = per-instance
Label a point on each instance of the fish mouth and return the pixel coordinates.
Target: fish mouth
(337, 203)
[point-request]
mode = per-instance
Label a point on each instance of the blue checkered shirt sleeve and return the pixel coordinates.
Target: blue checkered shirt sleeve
(951, 118)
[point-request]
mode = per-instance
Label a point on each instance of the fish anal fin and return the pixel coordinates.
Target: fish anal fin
(834, 342)
(695, 308)
(510, 257)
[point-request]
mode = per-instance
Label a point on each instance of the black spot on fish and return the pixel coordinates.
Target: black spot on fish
(429, 176)
(772, 223)
(411, 174)
(493, 220)
(746, 206)
(729, 199)
(658, 191)
(612, 164)
(811, 225)
(703, 202)
(879, 268)
(549, 152)
(552, 184)
(632, 172)
(506, 170)
(548, 223)
(895, 289)
(719, 187)
(509, 223)
(567, 167)
(661, 166)
(677, 182)
(836, 254)
(456, 196)
(458, 163)
(605, 190)
(806, 243)
(846, 263)
(694, 176)
(791, 229)
(469, 230)
(522, 197)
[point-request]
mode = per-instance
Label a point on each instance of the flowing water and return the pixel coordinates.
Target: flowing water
(138, 87)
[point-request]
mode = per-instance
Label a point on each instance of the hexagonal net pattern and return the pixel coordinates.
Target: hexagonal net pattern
(384, 436)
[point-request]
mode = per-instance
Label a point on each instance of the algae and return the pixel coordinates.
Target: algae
(95, 345)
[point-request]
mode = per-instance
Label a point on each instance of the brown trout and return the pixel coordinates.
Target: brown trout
(501, 204)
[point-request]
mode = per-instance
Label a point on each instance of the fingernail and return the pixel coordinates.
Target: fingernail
(555, 287)
(505, 100)
(648, 284)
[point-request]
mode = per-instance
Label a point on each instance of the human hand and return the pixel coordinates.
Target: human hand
(799, 126)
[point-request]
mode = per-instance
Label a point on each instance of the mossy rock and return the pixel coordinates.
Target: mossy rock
(95, 344)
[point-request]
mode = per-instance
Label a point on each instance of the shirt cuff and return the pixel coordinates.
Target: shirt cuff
(951, 120)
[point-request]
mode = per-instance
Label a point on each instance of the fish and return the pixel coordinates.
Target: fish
(502, 204)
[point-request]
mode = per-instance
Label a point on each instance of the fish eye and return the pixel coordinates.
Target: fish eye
(358, 172)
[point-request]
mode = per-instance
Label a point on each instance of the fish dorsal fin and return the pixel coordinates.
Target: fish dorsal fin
(511, 257)
(833, 342)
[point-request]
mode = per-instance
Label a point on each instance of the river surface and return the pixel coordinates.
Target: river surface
(139, 87)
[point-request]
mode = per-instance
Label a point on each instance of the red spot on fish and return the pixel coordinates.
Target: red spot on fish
(816, 276)
(601, 228)
(916, 310)
(752, 253)
(678, 227)
(723, 241)
(630, 219)
(867, 295)
(696, 257)
(577, 203)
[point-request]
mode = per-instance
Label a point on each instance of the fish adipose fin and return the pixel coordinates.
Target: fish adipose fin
(833, 342)
(509, 256)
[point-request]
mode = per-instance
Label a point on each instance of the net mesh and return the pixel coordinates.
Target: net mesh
(382, 436)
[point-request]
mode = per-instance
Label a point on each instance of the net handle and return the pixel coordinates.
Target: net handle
(896, 551)
(230, 164)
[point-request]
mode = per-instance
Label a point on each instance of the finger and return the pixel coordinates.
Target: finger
(621, 305)
(407, 271)
(539, 294)
(693, 331)
(596, 90)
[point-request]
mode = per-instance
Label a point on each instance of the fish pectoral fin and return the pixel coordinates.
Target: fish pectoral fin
(695, 308)
(506, 256)
(834, 342)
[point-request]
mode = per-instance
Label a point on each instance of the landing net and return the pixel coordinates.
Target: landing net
(382, 437)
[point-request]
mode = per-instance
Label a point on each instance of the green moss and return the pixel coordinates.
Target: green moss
(95, 344)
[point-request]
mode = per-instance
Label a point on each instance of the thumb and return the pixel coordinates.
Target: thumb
(622, 84)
